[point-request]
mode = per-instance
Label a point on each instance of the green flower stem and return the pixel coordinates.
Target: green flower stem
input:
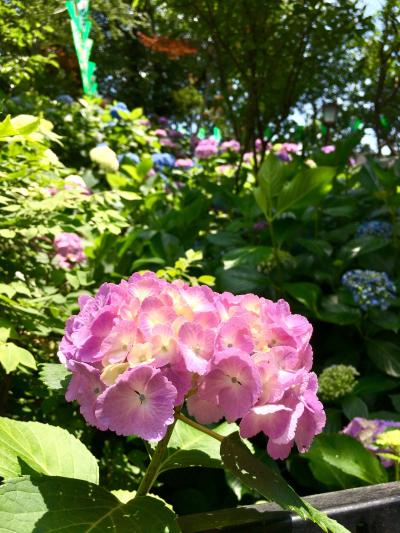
(201, 428)
(155, 463)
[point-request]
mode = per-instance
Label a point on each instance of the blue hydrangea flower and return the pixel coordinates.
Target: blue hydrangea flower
(376, 228)
(370, 288)
(65, 99)
(132, 158)
(162, 160)
(116, 108)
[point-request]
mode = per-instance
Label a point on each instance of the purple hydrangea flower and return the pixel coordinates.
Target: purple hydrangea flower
(366, 431)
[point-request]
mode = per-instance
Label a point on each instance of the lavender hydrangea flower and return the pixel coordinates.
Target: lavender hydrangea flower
(370, 289)
(366, 431)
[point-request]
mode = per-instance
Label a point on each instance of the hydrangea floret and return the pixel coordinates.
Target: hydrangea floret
(369, 288)
(336, 381)
(138, 351)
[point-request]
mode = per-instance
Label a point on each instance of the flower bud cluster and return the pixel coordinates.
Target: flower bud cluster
(141, 348)
(370, 288)
(336, 381)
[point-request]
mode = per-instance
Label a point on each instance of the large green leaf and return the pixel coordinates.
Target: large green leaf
(11, 356)
(361, 246)
(241, 280)
(247, 255)
(304, 188)
(336, 312)
(385, 353)
(268, 482)
(342, 462)
(306, 293)
(46, 449)
(49, 504)
(190, 447)
(55, 376)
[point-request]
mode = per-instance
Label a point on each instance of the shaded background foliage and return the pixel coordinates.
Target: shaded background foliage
(254, 64)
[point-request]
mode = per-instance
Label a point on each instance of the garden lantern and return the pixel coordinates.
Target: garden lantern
(329, 117)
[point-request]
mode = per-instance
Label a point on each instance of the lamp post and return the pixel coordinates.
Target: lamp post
(329, 117)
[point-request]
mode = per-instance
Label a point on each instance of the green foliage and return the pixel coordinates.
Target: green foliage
(269, 483)
(339, 461)
(189, 447)
(32, 446)
(28, 503)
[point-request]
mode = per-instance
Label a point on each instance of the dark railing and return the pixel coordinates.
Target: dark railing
(374, 509)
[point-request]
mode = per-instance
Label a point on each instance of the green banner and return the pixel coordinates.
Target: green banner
(78, 11)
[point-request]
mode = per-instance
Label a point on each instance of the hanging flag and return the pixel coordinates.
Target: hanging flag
(357, 124)
(81, 26)
(268, 133)
(384, 121)
(299, 133)
(217, 134)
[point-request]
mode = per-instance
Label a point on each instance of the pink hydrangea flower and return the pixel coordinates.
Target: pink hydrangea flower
(230, 146)
(328, 149)
(160, 133)
(184, 163)
(141, 348)
(69, 250)
(206, 148)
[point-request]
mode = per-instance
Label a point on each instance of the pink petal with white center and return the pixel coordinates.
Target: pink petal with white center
(85, 387)
(154, 313)
(164, 346)
(145, 286)
(234, 381)
(196, 346)
(200, 299)
(117, 346)
(141, 402)
(235, 334)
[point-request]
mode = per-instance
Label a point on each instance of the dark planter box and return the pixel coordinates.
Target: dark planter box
(374, 509)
